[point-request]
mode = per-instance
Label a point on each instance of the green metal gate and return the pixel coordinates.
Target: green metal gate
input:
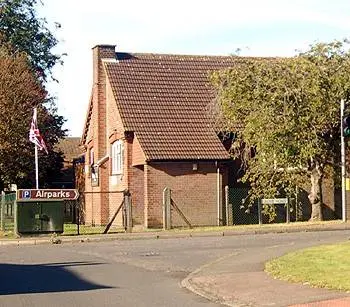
(7, 211)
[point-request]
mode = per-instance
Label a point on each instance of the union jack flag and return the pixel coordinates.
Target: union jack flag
(34, 134)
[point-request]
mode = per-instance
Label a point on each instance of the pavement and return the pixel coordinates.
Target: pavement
(226, 280)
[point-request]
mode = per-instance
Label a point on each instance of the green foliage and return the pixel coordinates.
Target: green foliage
(24, 31)
(20, 91)
(26, 61)
(285, 112)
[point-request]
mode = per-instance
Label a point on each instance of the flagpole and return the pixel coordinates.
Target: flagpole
(36, 167)
(36, 138)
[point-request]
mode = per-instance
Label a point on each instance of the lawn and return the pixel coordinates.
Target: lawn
(7, 234)
(326, 266)
(69, 229)
(72, 229)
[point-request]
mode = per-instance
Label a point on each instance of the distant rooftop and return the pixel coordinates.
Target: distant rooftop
(70, 148)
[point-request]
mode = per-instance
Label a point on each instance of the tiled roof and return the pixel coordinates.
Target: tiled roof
(163, 99)
(70, 148)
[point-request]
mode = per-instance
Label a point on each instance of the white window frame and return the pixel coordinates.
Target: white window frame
(117, 154)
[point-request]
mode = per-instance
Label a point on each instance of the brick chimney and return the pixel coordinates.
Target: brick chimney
(99, 120)
(99, 97)
(101, 52)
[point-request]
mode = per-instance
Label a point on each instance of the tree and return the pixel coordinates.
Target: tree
(26, 63)
(24, 31)
(287, 111)
(20, 91)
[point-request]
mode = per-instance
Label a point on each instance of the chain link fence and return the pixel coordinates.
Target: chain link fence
(111, 212)
(80, 216)
(241, 212)
(98, 213)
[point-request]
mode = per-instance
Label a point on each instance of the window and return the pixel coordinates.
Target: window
(117, 157)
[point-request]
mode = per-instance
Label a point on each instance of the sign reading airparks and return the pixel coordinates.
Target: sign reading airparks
(47, 194)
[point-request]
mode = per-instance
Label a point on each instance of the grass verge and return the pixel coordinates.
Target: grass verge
(326, 266)
(72, 229)
(7, 234)
(274, 226)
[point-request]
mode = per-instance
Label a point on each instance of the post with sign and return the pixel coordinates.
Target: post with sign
(47, 194)
(259, 212)
(275, 201)
(39, 211)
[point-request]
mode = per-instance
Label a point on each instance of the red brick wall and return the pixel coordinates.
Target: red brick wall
(105, 127)
(97, 205)
(99, 98)
(137, 194)
(194, 192)
(146, 192)
(136, 180)
(138, 157)
(115, 128)
(114, 131)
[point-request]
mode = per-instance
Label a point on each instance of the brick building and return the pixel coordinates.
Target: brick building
(146, 129)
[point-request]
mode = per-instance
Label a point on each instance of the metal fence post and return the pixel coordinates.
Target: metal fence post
(166, 208)
(77, 207)
(298, 215)
(124, 212)
(128, 212)
(259, 212)
(227, 205)
(287, 211)
(2, 220)
(92, 211)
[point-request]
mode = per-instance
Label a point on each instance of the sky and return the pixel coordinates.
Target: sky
(220, 27)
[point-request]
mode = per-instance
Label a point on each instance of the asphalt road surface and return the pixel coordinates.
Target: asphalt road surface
(145, 272)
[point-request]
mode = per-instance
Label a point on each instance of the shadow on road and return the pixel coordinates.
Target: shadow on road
(42, 278)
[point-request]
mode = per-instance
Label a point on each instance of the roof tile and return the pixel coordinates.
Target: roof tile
(163, 99)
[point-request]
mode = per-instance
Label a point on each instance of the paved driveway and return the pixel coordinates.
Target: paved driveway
(145, 272)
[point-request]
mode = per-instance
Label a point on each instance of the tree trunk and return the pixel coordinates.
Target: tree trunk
(315, 195)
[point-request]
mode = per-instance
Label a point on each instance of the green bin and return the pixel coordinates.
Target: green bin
(39, 217)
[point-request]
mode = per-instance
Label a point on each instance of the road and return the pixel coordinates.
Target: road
(145, 272)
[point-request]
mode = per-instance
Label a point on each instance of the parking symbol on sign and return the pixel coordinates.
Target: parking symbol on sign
(26, 194)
